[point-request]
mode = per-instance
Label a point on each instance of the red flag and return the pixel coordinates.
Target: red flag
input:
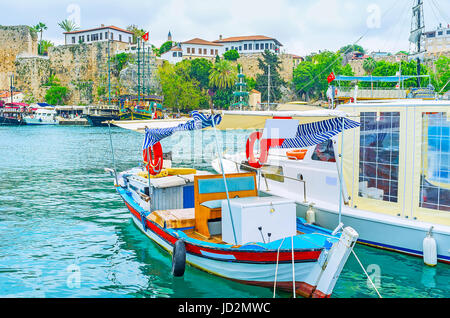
(145, 36)
(331, 77)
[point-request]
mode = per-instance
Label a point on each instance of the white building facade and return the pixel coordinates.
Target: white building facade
(437, 41)
(250, 44)
(174, 55)
(102, 33)
(198, 48)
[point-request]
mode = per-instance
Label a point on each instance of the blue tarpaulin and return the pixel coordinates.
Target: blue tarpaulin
(394, 79)
(199, 121)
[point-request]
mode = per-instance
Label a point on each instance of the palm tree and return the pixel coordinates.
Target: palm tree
(45, 45)
(68, 25)
(223, 75)
(369, 66)
(40, 27)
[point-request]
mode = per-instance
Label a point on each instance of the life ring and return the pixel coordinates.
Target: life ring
(154, 159)
(252, 160)
(297, 154)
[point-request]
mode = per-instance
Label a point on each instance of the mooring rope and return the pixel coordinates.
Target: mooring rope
(276, 268)
(366, 274)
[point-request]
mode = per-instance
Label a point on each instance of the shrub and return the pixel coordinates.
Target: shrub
(231, 55)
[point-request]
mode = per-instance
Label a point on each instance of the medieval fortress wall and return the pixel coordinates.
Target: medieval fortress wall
(15, 41)
(78, 67)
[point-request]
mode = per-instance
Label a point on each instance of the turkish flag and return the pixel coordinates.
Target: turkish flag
(145, 36)
(331, 77)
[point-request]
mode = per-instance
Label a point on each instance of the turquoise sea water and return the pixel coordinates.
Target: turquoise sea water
(64, 232)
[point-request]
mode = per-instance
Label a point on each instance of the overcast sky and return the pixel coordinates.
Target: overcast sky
(302, 26)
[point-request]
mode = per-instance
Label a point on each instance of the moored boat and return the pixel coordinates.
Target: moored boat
(394, 173)
(42, 116)
(220, 224)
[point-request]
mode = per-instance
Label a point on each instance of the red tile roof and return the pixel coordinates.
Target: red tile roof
(247, 38)
(201, 42)
(100, 28)
(8, 94)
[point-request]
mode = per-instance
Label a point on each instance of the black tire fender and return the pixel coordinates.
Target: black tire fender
(178, 258)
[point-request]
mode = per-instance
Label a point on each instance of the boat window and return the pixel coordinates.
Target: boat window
(379, 155)
(324, 152)
(435, 162)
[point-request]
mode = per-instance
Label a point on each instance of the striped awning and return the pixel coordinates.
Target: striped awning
(199, 121)
(318, 132)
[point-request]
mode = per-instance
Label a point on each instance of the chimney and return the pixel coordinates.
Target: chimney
(220, 37)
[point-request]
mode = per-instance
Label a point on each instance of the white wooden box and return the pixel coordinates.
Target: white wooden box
(274, 215)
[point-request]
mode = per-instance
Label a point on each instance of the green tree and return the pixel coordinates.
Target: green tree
(180, 91)
(310, 76)
(119, 61)
(40, 28)
(137, 32)
(231, 55)
(351, 48)
(68, 25)
(369, 65)
(56, 95)
(251, 83)
(222, 75)
(272, 60)
(45, 45)
(441, 75)
(223, 98)
(200, 70)
(166, 46)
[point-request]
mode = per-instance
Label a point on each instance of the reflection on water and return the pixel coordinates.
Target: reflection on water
(62, 225)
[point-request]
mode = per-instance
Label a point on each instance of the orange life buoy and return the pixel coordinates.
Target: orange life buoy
(153, 158)
(297, 154)
(252, 160)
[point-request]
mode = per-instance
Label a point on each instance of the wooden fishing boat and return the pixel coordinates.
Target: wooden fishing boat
(220, 224)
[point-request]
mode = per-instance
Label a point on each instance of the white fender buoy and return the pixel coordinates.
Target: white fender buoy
(311, 215)
(429, 249)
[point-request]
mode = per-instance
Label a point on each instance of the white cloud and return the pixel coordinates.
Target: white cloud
(302, 26)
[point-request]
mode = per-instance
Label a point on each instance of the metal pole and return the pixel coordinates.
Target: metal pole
(268, 88)
(109, 72)
(341, 183)
(143, 69)
(139, 70)
(12, 86)
(224, 177)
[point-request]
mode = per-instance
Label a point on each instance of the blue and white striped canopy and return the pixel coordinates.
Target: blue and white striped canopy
(318, 132)
(199, 121)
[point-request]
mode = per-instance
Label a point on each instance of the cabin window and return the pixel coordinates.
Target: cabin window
(435, 162)
(379, 155)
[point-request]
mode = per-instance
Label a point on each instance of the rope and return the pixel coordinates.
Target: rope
(276, 268)
(366, 273)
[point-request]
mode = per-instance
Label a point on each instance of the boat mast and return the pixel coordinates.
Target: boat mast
(416, 35)
(268, 87)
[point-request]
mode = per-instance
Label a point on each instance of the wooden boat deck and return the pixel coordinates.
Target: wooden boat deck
(216, 239)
